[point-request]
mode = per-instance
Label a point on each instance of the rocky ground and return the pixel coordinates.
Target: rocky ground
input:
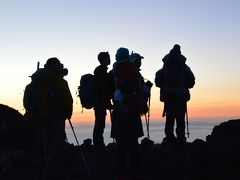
(216, 158)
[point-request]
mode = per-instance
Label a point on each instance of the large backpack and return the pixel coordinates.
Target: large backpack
(36, 101)
(127, 85)
(174, 80)
(159, 78)
(85, 91)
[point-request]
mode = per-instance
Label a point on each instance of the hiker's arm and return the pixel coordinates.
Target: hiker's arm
(67, 100)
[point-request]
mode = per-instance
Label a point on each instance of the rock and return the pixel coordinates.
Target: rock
(225, 138)
(146, 143)
(14, 132)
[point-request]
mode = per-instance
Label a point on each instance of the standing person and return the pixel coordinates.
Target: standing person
(101, 99)
(48, 102)
(174, 81)
(136, 59)
(126, 122)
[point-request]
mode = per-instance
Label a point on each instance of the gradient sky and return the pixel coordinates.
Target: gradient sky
(75, 31)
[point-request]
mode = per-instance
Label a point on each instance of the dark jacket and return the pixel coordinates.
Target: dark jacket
(60, 108)
(100, 88)
(126, 120)
(175, 78)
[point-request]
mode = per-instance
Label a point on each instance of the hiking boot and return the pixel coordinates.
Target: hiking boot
(169, 140)
(181, 139)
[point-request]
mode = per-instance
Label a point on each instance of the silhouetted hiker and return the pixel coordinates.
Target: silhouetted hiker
(126, 120)
(101, 99)
(48, 103)
(174, 80)
(136, 59)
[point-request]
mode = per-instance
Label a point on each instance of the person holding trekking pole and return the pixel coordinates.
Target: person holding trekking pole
(136, 59)
(126, 120)
(48, 103)
(174, 80)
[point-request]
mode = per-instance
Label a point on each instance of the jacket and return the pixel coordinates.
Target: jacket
(61, 105)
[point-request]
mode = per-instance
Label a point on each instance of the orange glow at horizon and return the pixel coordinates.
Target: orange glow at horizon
(215, 110)
(195, 111)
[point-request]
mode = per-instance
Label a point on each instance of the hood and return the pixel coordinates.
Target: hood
(180, 57)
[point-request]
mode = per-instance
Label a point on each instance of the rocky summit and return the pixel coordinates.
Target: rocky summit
(216, 158)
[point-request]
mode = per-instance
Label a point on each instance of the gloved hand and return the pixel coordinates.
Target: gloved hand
(109, 106)
(149, 84)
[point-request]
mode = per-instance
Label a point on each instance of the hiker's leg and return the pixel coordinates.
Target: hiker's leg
(39, 144)
(133, 158)
(180, 119)
(170, 118)
(121, 156)
(56, 146)
(100, 116)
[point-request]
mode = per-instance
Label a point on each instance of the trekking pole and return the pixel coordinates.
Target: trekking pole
(38, 64)
(84, 160)
(147, 124)
(148, 117)
(187, 122)
(110, 111)
(73, 131)
(148, 113)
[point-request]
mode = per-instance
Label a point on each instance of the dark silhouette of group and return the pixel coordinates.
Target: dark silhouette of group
(123, 91)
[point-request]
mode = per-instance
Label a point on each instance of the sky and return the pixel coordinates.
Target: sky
(75, 31)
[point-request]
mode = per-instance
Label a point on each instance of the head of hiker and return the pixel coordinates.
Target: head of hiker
(104, 58)
(136, 59)
(122, 54)
(53, 64)
(176, 49)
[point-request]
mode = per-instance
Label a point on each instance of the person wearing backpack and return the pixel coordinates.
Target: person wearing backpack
(174, 80)
(136, 59)
(101, 99)
(126, 120)
(48, 103)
